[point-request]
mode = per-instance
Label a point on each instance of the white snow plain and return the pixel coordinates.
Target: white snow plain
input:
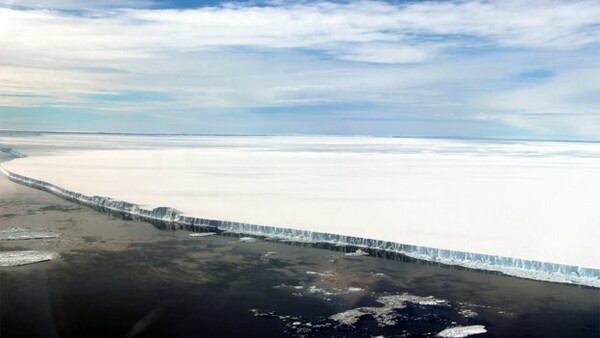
(528, 200)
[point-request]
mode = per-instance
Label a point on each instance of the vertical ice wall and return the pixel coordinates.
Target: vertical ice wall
(511, 266)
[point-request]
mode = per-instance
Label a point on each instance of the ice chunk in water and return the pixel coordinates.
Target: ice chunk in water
(24, 257)
(462, 331)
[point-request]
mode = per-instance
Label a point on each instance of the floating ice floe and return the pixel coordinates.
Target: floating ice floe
(24, 257)
(298, 290)
(327, 273)
(315, 289)
(355, 289)
(462, 331)
(358, 252)
(25, 233)
(467, 313)
(296, 325)
(202, 234)
(385, 315)
(247, 239)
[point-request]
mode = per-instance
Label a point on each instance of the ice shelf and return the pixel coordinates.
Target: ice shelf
(511, 266)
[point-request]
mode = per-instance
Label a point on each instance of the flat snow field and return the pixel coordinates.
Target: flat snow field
(529, 200)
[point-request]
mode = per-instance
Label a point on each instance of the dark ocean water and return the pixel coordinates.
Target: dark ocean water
(218, 286)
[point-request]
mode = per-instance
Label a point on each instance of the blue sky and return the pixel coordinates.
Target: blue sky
(523, 69)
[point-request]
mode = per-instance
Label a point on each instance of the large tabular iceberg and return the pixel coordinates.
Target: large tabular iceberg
(523, 208)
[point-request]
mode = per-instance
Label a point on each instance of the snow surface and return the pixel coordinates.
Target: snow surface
(529, 200)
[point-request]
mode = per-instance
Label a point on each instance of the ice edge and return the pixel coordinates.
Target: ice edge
(529, 269)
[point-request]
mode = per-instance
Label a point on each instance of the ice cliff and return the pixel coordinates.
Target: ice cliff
(175, 219)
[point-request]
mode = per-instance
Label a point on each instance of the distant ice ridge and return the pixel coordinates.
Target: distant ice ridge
(511, 266)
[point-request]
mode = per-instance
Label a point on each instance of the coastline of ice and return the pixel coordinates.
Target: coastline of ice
(500, 206)
(522, 268)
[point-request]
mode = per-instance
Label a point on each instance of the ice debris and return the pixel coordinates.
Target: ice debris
(468, 313)
(296, 325)
(327, 273)
(25, 233)
(386, 314)
(462, 331)
(358, 252)
(24, 257)
(247, 239)
(355, 289)
(202, 234)
(296, 289)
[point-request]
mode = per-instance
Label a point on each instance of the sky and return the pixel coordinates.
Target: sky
(492, 69)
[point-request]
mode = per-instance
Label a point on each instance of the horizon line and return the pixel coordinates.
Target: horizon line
(84, 132)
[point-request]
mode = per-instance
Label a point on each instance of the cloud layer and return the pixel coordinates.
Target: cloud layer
(456, 60)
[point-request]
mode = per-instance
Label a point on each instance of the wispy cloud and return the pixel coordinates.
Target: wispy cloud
(463, 57)
(78, 4)
(568, 103)
(366, 31)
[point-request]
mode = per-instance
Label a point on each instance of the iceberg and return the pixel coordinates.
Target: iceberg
(461, 331)
(525, 209)
(173, 219)
(25, 257)
(25, 233)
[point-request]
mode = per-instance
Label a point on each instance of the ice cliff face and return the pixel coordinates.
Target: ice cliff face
(175, 219)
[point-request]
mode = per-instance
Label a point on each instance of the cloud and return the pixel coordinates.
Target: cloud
(361, 31)
(447, 60)
(78, 4)
(566, 103)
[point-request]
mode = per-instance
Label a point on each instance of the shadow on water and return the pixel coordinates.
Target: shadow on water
(344, 248)
(150, 290)
(174, 226)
